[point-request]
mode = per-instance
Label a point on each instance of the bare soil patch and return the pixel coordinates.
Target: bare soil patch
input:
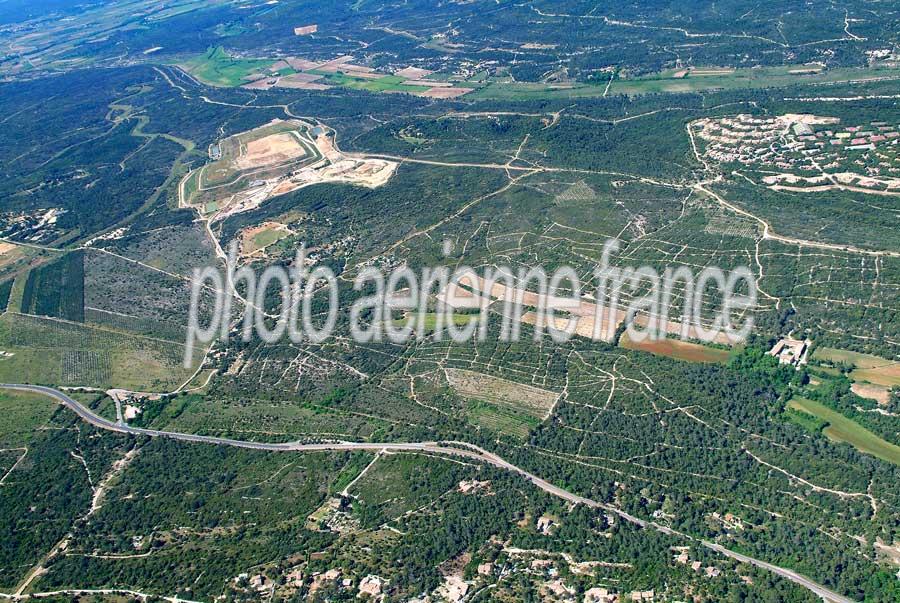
(880, 394)
(583, 316)
(414, 73)
(260, 84)
(300, 77)
(270, 150)
(9, 253)
(438, 92)
(335, 65)
(534, 401)
(297, 84)
(301, 64)
(680, 350)
(257, 238)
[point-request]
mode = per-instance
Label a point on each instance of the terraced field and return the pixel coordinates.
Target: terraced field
(46, 350)
(842, 429)
(873, 369)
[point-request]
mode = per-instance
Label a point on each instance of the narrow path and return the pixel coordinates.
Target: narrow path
(14, 465)
(768, 231)
(81, 592)
(772, 236)
(346, 490)
(96, 502)
(808, 484)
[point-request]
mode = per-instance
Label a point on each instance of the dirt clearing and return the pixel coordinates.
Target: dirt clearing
(880, 394)
(583, 315)
(414, 73)
(298, 82)
(271, 150)
(531, 400)
(439, 92)
(887, 375)
(680, 350)
(300, 78)
(256, 238)
(301, 64)
(9, 253)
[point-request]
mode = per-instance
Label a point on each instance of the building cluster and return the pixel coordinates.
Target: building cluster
(604, 595)
(860, 137)
(370, 587)
(37, 227)
(791, 351)
(682, 557)
(863, 155)
(729, 521)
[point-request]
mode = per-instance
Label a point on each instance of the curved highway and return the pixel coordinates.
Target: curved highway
(451, 448)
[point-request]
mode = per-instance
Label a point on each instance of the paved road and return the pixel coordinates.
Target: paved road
(793, 576)
(451, 448)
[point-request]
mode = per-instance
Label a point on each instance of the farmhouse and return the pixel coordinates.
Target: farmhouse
(791, 351)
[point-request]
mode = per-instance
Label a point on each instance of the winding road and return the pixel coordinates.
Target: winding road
(449, 448)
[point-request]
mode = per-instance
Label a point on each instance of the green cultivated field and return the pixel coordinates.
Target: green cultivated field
(249, 418)
(268, 237)
(807, 421)
(56, 289)
(431, 320)
(218, 68)
(389, 83)
(857, 359)
(665, 82)
(499, 419)
(5, 290)
(51, 351)
(21, 414)
(873, 369)
(842, 429)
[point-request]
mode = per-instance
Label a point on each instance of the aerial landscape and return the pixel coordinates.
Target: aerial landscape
(449, 301)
